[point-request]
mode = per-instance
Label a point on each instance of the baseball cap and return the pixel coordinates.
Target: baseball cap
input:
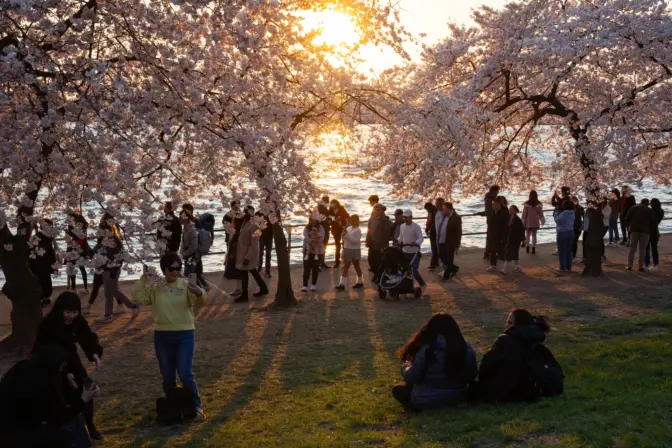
(398, 212)
(408, 213)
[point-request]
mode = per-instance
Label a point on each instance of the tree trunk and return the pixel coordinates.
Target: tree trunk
(284, 296)
(23, 289)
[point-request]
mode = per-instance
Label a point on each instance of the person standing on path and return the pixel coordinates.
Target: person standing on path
(189, 247)
(489, 212)
(449, 239)
(169, 231)
(325, 215)
(247, 255)
(515, 238)
(533, 219)
(232, 219)
(396, 225)
(652, 248)
(557, 202)
(641, 221)
(313, 248)
(579, 214)
(110, 246)
(373, 200)
(593, 240)
(352, 253)
(410, 239)
(627, 202)
(265, 245)
(564, 222)
(173, 301)
(338, 225)
(44, 258)
(615, 204)
(498, 231)
(378, 236)
(430, 231)
(77, 248)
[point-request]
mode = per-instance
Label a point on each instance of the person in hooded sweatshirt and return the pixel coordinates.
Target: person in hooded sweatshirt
(615, 204)
(514, 240)
(652, 248)
(533, 219)
(437, 366)
(498, 231)
(627, 202)
(501, 376)
(66, 327)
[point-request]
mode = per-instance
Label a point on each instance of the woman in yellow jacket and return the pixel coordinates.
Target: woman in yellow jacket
(173, 300)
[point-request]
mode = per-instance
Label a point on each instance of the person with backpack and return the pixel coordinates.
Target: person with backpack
(515, 238)
(437, 366)
(313, 246)
(519, 367)
(43, 258)
(533, 219)
(173, 300)
(66, 327)
(652, 248)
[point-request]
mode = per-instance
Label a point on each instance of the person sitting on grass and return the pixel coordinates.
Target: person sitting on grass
(437, 366)
(173, 300)
(508, 371)
(66, 327)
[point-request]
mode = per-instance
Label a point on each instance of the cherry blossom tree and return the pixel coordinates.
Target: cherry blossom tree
(571, 90)
(124, 104)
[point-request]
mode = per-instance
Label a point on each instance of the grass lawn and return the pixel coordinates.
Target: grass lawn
(320, 374)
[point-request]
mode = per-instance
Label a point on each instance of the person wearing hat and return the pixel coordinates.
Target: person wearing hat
(396, 225)
(378, 235)
(410, 239)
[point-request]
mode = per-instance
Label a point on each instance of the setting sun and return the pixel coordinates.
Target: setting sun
(335, 28)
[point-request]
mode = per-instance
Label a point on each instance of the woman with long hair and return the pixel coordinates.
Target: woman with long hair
(247, 256)
(533, 219)
(338, 225)
(352, 253)
(652, 248)
(437, 366)
(66, 327)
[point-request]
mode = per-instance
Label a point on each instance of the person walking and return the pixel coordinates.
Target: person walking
(641, 221)
(110, 246)
(378, 236)
(627, 202)
(410, 239)
(533, 219)
(338, 225)
(489, 212)
(615, 204)
(169, 231)
(173, 302)
(498, 231)
(579, 214)
(247, 254)
(313, 247)
(352, 253)
(564, 222)
(231, 221)
(652, 248)
(43, 258)
(449, 239)
(430, 231)
(515, 238)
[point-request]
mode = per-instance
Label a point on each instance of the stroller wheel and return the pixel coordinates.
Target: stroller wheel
(417, 293)
(394, 296)
(382, 294)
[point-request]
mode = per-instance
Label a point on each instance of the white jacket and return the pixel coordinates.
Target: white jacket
(410, 237)
(352, 238)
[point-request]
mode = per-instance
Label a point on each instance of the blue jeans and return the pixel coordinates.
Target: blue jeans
(565, 241)
(652, 249)
(175, 352)
(415, 265)
(613, 230)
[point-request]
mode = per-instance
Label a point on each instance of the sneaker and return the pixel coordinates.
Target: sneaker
(534, 251)
(527, 249)
(120, 309)
(261, 293)
(241, 299)
(503, 272)
(103, 319)
(555, 252)
(304, 289)
(654, 268)
(340, 287)
(491, 269)
(577, 260)
(200, 414)
(237, 292)
(517, 270)
(313, 288)
(560, 271)
(358, 286)
(135, 312)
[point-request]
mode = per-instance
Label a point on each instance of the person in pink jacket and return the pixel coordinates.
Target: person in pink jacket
(533, 219)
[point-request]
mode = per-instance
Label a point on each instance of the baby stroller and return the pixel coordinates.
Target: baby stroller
(395, 275)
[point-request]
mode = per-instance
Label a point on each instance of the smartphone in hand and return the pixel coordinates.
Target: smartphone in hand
(192, 279)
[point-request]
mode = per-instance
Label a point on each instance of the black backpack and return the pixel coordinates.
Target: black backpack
(544, 371)
(176, 407)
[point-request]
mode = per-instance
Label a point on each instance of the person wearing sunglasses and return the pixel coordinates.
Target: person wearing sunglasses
(173, 300)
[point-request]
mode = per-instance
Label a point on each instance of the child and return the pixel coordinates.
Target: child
(514, 240)
(313, 248)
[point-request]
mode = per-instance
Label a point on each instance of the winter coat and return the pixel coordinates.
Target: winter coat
(516, 232)
(379, 233)
(170, 232)
(502, 374)
(564, 220)
(655, 233)
(248, 247)
(433, 387)
(533, 216)
(55, 331)
(627, 202)
(453, 236)
(615, 205)
(489, 209)
(340, 221)
(579, 213)
(498, 230)
(189, 248)
(641, 219)
(430, 226)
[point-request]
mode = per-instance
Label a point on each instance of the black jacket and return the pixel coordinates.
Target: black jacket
(170, 224)
(579, 213)
(655, 232)
(498, 230)
(593, 236)
(68, 336)
(453, 231)
(501, 375)
(641, 219)
(516, 232)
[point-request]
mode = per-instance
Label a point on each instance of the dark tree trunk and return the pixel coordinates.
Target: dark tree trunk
(284, 296)
(593, 244)
(22, 288)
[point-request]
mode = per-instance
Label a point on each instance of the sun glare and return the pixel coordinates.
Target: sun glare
(335, 28)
